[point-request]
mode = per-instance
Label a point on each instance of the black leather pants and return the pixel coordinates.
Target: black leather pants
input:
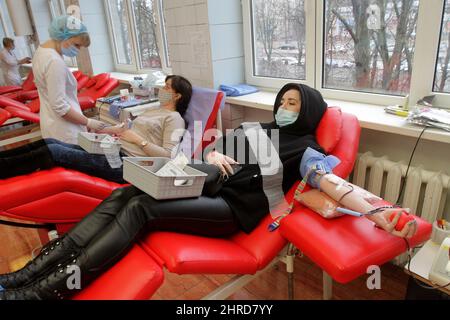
(108, 232)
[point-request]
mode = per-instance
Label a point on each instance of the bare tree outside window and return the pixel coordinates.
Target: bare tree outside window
(442, 75)
(369, 45)
(145, 19)
(279, 38)
(121, 31)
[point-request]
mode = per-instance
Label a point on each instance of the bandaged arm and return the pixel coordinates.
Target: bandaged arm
(320, 169)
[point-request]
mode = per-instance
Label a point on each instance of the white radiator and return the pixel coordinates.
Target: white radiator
(425, 191)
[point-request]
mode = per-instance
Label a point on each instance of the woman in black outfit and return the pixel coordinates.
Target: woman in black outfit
(106, 234)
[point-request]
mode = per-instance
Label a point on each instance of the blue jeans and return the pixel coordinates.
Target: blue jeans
(74, 157)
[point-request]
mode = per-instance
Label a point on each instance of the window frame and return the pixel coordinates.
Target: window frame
(135, 66)
(272, 83)
(425, 57)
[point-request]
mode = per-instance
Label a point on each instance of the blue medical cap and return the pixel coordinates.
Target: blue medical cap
(65, 27)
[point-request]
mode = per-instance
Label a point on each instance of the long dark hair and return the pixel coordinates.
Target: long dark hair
(182, 86)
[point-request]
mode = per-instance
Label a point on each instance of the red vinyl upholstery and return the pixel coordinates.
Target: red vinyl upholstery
(21, 93)
(99, 86)
(346, 246)
(4, 116)
(87, 97)
(343, 247)
(9, 89)
(23, 114)
(136, 277)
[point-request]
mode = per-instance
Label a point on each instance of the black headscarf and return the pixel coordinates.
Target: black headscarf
(243, 191)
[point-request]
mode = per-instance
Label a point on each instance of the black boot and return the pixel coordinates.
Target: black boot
(25, 163)
(65, 280)
(52, 254)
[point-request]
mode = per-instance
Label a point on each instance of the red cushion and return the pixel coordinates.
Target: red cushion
(4, 115)
(77, 74)
(48, 193)
(34, 105)
(328, 132)
(29, 95)
(23, 114)
(9, 89)
(345, 247)
(91, 82)
(28, 84)
(86, 102)
(8, 102)
(184, 253)
(101, 79)
(82, 82)
(135, 277)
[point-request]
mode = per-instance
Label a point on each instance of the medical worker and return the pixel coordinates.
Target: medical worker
(61, 115)
(9, 63)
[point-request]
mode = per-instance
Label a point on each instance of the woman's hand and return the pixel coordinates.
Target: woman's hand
(131, 136)
(222, 161)
(382, 220)
(114, 130)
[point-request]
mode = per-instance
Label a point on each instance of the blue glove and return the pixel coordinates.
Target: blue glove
(323, 164)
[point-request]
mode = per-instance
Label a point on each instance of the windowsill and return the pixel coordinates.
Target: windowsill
(370, 116)
(125, 78)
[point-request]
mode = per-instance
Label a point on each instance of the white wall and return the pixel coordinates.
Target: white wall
(42, 18)
(94, 17)
(205, 40)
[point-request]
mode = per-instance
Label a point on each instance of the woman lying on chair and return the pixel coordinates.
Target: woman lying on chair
(106, 234)
(153, 133)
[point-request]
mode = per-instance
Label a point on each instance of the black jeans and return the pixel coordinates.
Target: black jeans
(108, 232)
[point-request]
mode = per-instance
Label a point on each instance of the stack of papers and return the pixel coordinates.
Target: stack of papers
(431, 117)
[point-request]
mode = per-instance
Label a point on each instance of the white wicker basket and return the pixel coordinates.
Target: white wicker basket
(91, 142)
(140, 171)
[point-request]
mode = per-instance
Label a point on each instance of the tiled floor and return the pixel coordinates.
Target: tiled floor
(273, 285)
(16, 245)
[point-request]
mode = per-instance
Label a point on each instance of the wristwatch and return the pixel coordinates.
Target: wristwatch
(143, 143)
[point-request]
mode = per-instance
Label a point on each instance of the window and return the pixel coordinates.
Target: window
(372, 51)
(146, 29)
(442, 74)
(281, 45)
(137, 34)
(369, 46)
(279, 39)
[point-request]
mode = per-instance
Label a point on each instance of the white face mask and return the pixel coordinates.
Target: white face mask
(164, 97)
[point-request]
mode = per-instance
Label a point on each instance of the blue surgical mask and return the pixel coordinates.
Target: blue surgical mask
(70, 52)
(285, 117)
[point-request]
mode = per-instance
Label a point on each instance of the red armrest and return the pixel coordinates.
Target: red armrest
(86, 102)
(23, 96)
(4, 115)
(8, 89)
(23, 114)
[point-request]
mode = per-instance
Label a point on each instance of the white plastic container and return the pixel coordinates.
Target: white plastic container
(92, 142)
(438, 234)
(140, 171)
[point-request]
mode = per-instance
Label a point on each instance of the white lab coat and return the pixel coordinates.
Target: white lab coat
(10, 68)
(57, 89)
